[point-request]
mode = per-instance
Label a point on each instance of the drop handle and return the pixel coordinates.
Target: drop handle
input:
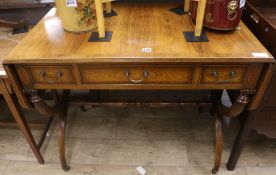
(232, 74)
(255, 18)
(215, 74)
(144, 75)
(44, 75)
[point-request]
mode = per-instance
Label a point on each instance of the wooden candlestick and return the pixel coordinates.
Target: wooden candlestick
(187, 6)
(200, 17)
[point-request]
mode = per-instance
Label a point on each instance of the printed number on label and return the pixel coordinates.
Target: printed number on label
(71, 3)
(146, 50)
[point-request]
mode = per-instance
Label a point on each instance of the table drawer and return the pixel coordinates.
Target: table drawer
(52, 74)
(220, 74)
(123, 74)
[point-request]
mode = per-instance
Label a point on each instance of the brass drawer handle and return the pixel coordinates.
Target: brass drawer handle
(128, 74)
(255, 18)
(232, 74)
(45, 77)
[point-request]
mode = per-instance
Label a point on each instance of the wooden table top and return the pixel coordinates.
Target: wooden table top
(137, 26)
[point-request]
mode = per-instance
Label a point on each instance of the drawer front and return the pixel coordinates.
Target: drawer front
(52, 74)
(220, 74)
(122, 74)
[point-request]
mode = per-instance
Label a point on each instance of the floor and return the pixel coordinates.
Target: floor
(115, 141)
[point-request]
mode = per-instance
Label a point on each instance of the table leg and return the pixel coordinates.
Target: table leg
(240, 140)
(222, 111)
(62, 125)
(59, 109)
(219, 142)
(21, 121)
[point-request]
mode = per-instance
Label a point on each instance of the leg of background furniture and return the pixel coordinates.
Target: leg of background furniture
(240, 141)
(20, 120)
(44, 133)
(219, 142)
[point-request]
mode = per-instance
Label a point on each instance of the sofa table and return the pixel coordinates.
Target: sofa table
(147, 52)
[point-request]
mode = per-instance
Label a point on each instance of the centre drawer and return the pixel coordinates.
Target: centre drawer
(137, 74)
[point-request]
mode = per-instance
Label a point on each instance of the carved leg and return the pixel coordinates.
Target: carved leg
(40, 104)
(62, 123)
(219, 111)
(60, 108)
(219, 142)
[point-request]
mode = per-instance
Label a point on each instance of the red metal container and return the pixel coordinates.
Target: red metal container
(220, 14)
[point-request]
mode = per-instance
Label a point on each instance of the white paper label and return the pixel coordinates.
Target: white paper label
(71, 3)
(242, 3)
(260, 55)
(2, 72)
(146, 50)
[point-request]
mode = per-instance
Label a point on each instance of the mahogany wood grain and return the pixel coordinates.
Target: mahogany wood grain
(159, 76)
(116, 74)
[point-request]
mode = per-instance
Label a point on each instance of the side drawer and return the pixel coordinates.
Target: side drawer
(52, 74)
(135, 74)
(223, 74)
